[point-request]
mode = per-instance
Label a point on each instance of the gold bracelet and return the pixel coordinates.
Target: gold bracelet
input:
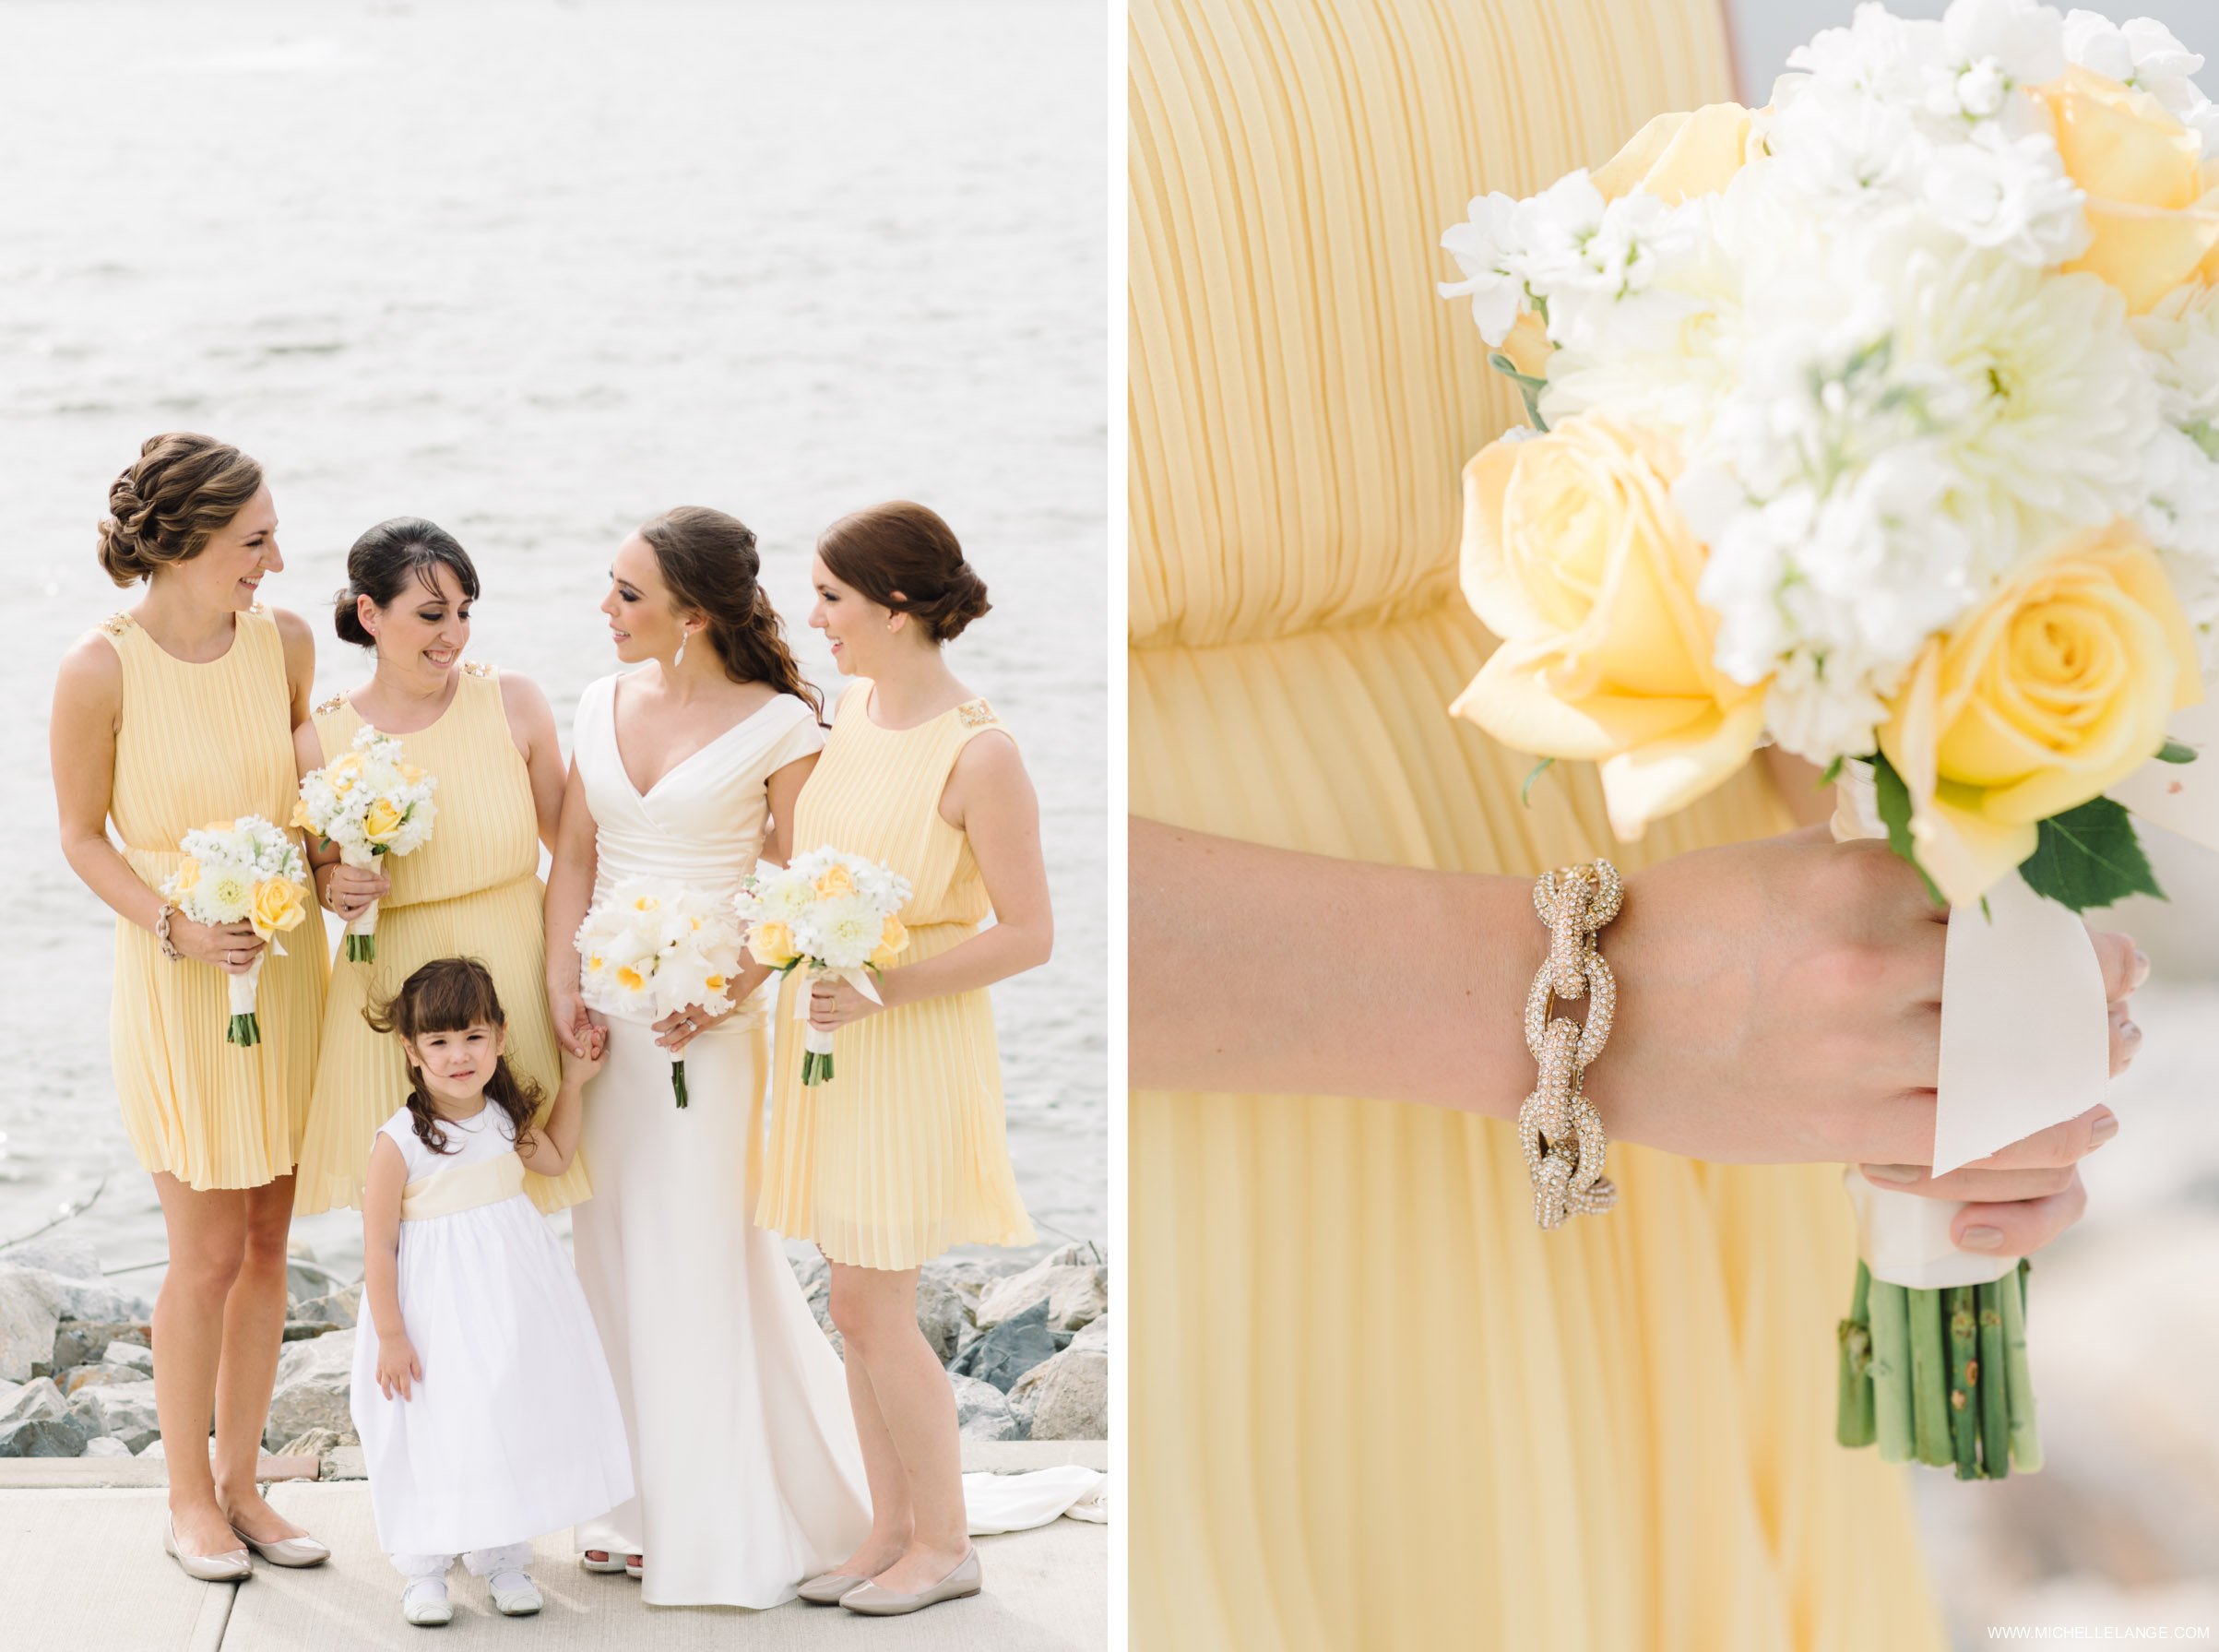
(1558, 1127)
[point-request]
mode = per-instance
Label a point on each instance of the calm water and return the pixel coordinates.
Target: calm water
(535, 271)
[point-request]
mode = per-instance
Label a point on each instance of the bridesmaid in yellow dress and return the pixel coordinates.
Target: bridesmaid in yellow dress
(1370, 1405)
(472, 889)
(902, 1154)
(170, 716)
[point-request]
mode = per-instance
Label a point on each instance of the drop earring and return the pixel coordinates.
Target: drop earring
(679, 659)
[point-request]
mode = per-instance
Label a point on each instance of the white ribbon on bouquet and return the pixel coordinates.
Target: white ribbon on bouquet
(814, 1041)
(362, 858)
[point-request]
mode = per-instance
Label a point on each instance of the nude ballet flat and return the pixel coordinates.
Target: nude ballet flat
(286, 1552)
(228, 1567)
(826, 1588)
(871, 1601)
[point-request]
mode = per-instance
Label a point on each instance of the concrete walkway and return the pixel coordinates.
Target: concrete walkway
(84, 1569)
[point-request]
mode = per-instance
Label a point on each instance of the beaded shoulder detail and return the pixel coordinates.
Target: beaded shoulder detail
(477, 668)
(260, 610)
(975, 714)
(332, 704)
(115, 624)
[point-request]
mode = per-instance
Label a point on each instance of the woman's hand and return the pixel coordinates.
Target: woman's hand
(232, 947)
(680, 1028)
(398, 1366)
(567, 1008)
(1781, 1001)
(578, 1065)
(835, 1003)
(349, 890)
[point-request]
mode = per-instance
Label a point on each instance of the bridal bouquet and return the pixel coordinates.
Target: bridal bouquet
(242, 871)
(1883, 421)
(647, 951)
(368, 802)
(834, 914)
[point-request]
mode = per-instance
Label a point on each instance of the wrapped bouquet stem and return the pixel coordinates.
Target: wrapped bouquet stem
(832, 916)
(816, 1043)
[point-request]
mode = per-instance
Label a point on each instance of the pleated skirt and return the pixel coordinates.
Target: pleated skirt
(361, 1075)
(904, 1152)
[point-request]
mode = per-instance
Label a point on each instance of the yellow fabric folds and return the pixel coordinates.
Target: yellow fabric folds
(463, 1187)
(1370, 1404)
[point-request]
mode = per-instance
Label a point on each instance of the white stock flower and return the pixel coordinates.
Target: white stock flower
(2143, 54)
(2181, 518)
(1992, 50)
(1835, 144)
(1880, 54)
(2008, 193)
(2181, 335)
(1487, 248)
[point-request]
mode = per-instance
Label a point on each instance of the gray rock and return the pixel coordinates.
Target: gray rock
(136, 1355)
(344, 1462)
(1010, 1349)
(1075, 1293)
(84, 1342)
(105, 1445)
(151, 1450)
(44, 1437)
(811, 1270)
(941, 1315)
(53, 1254)
(1066, 1398)
(68, 1298)
(982, 1411)
(28, 1317)
(1094, 1338)
(39, 1397)
(333, 1308)
(312, 1379)
(121, 1410)
(316, 1443)
(90, 1376)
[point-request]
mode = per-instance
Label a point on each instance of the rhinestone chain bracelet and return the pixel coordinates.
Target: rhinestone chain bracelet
(1558, 1128)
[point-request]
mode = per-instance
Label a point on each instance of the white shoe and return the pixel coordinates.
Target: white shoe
(424, 1603)
(515, 1594)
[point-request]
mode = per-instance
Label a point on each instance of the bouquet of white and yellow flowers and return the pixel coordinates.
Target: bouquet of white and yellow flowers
(368, 802)
(647, 950)
(242, 871)
(1881, 422)
(834, 914)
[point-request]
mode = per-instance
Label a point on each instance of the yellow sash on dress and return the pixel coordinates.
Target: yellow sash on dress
(463, 1187)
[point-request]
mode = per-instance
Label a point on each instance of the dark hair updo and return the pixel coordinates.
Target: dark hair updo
(709, 560)
(163, 509)
(903, 557)
(453, 996)
(386, 559)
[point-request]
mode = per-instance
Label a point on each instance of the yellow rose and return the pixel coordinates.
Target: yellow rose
(771, 944)
(381, 821)
(1528, 347)
(835, 882)
(2153, 203)
(410, 774)
(1676, 155)
(188, 874)
(2055, 690)
(300, 815)
(1575, 557)
(277, 907)
(891, 940)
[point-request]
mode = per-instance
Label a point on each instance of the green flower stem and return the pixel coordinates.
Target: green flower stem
(1891, 1326)
(1965, 1389)
(244, 1030)
(1929, 1379)
(361, 949)
(1853, 1407)
(2025, 1441)
(678, 1080)
(1995, 1391)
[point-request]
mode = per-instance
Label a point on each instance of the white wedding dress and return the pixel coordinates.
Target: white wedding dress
(749, 1478)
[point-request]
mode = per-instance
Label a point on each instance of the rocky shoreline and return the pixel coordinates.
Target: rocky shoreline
(1026, 1344)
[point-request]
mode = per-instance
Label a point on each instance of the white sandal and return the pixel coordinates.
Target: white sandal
(608, 1562)
(426, 1604)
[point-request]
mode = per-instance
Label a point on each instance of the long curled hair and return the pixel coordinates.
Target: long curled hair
(709, 560)
(167, 503)
(452, 995)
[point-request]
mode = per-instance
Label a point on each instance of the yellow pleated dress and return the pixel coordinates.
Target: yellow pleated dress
(903, 1152)
(1370, 1405)
(200, 744)
(472, 890)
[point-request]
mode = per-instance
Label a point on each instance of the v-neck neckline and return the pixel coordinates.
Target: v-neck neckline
(616, 743)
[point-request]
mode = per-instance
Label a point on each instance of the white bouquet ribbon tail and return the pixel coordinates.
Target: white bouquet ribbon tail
(245, 1028)
(2025, 1044)
(816, 1043)
(363, 925)
(2181, 797)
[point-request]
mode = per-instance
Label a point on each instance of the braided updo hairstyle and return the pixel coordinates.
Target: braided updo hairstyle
(165, 505)
(709, 560)
(903, 557)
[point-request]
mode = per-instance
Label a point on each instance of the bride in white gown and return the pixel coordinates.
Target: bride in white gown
(745, 1452)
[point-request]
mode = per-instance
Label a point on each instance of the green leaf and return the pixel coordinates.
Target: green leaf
(1525, 791)
(1894, 799)
(1833, 773)
(2089, 857)
(1529, 388)
(2174, 752)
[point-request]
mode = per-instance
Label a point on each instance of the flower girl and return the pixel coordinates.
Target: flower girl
(485, 1405)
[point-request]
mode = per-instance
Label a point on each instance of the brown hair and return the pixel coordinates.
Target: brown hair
(161, 510)
(449, 996)
(903, 557)
(709, 561)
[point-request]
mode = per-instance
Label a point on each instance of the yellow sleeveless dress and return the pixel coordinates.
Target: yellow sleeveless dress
(1370, 1405)
(472, 890)
(902, 1153)
(200, 744)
